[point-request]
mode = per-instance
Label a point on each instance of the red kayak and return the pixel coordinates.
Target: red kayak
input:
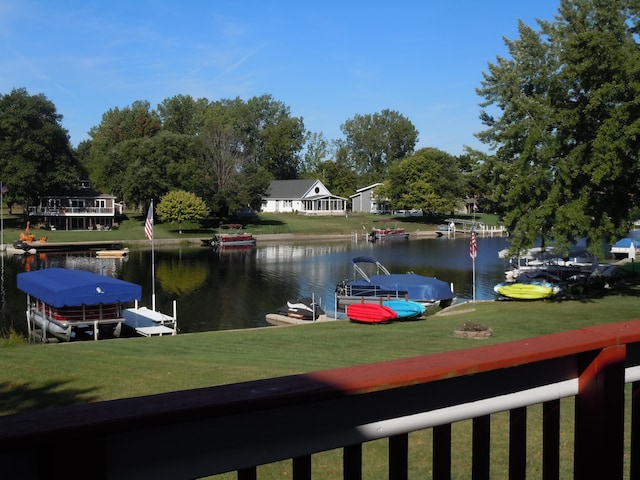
(370, 313)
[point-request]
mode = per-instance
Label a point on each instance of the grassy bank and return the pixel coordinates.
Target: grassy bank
(43, 376)
(132, 227)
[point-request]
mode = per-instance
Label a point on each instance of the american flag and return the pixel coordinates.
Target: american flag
(473, 247)
(148, 224)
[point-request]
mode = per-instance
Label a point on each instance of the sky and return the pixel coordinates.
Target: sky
(327, 61)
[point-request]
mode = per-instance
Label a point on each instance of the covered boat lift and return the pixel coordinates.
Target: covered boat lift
(62, 299)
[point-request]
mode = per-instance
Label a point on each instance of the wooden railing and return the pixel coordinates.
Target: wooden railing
(238, 427)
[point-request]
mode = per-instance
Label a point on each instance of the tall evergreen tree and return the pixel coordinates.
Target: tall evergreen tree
(563, 115)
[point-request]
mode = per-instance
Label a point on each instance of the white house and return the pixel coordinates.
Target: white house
(310, 197)
(364, 200)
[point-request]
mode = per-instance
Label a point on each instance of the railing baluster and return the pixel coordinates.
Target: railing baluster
(518, 442)
(551, 440)
(634, 454)
(399, 457)
(442, 452)
(481, 438)
(250, 473)
(352, 462)
(302, 468)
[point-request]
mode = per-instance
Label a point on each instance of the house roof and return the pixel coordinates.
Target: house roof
(290, 188)
(370, 187)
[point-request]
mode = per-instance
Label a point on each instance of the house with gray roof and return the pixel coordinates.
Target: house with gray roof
(310, 197)
(365, 200)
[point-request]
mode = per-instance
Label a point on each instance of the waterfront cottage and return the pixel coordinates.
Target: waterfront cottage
(310, 197)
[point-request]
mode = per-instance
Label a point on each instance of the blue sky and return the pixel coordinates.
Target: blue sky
(327, 61)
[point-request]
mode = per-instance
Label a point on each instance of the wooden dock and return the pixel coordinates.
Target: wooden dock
(73, 246)
(466, 226)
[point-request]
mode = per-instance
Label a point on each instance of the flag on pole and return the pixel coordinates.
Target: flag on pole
(473, 247)
(148, 224)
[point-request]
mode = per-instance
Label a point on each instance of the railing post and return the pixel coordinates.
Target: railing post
(442, 452)
(634, 454)
(481, 449)
(518, 442)
(599, 415)
(352, 462)
(398, 457)
(551, 440)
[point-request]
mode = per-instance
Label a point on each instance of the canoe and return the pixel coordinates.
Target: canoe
(405, 309)
(370, 313)
(526, 291)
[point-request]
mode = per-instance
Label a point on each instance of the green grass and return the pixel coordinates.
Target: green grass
(42, 376)
(132, 228)
(36, 377)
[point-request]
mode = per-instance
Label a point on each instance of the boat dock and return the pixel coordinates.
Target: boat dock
(150, 323)
(466, 226)
(40, 246)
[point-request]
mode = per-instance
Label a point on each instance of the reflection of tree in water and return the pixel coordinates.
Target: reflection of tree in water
(180, 277)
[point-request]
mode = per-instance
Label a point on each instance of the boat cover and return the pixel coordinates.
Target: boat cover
(417, 287)
(60, 287)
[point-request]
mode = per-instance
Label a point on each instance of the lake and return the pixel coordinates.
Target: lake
(235, 289)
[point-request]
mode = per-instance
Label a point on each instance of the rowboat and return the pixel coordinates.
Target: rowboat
(370, 313)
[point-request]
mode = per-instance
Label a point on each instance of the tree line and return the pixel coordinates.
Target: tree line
(561, 117)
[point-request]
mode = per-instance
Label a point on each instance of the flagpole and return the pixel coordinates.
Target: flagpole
(148, 231)
(153, 262)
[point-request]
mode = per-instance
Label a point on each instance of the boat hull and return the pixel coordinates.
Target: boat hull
(370, 313)
(406, 309)
(526, 291)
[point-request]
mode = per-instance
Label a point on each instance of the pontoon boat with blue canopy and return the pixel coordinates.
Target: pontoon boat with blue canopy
(63, 302)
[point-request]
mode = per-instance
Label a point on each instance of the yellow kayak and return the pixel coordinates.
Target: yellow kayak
(527, 291)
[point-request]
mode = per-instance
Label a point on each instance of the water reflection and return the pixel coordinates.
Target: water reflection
(231, 289)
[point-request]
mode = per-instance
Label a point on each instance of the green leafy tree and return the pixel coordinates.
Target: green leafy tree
(36, 157)
(375, 141)
(224, 167)
(317, 150)
(179, 206)
(117, 126)
(429, 180)
(183, 114)
(563, 117)
(270, 136)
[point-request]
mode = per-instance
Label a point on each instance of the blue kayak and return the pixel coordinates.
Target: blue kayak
(406, 309)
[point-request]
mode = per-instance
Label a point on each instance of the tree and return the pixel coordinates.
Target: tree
(183, 115)
(36, 157)
(317, 151)
(222, 166)
(180, 206)
(429, 180)
(565, 125)
(117, 126)
(375, 142)
(270, 136)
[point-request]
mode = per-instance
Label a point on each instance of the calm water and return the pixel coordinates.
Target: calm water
(237, 288)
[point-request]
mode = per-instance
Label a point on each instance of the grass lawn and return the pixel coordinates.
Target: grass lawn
(46, 376)
(38, 377)
(132, 229)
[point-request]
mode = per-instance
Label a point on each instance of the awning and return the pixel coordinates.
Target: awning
(60, 287)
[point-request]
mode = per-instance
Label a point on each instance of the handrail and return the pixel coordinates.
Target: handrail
(239, 426)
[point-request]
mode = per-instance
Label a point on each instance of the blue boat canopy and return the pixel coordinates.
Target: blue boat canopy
(61, 287)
